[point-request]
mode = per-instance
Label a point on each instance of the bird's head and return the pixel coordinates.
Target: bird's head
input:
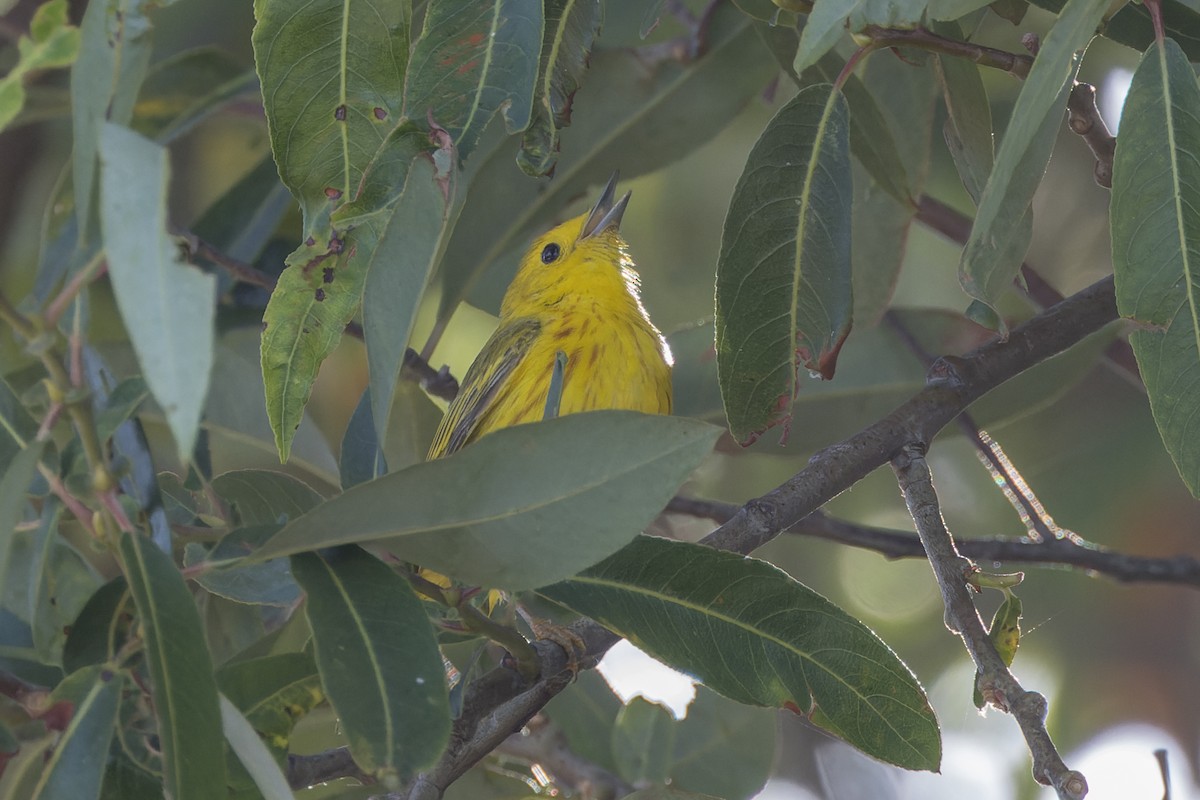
(583, 258)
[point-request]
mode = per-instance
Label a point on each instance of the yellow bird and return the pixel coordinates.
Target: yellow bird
(575, 292)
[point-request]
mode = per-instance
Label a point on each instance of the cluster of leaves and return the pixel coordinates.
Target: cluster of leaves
(129, 680)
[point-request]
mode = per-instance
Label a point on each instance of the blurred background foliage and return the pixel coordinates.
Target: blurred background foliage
(1106, 654)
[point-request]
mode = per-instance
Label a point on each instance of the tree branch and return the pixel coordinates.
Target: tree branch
(542, 742)
(1084, 119)
(924, 39)
(995, 679)
(500, 702)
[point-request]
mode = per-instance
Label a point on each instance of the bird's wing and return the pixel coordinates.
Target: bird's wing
(481, 386)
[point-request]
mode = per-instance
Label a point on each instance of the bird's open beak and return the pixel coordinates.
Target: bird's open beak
(606, 213)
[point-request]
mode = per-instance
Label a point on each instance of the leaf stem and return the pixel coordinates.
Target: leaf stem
(924, 39)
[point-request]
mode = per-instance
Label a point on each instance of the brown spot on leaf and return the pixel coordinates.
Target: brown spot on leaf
(327, 274)
(339, 113)
(310, 241)
(335, 245)
(332, 193)
(380, 113)
(320, 295)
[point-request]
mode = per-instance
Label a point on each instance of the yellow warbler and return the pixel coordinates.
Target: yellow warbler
(575, 291)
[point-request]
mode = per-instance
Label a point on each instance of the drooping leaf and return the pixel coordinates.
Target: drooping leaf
(749, 631)
(635, 128)
(642, 740)
(406, 256)
(526, 496)
(332, 76)
(52, 42)
(570, 29)
(784, 297)
(75, 768)
(114, 52)
(62, 583)
(1156, 244)
(253, 754)
(181, 673)
(98, 626)
(378, 660)
(828, 19)
(472, 60)
(14, 483)
(167, 306)
(989, 261)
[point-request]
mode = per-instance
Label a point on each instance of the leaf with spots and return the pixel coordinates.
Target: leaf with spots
(749, 631)
(378, 659)
(784, 297)
(1156, 244)
(472, 60)
(332, 75)
(571, 28)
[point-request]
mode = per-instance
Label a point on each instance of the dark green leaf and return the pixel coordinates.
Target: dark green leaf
(752, 633)
(668, 793)
(269, 583)
(121, 404)
(62, 583)
(185, 692)
(103, 623)
(167, 305)
(263, 497)
(828, 20)
(407, 254)
(16, 425)
(274, 692)
(635, 126)
(571, 27)
(75, 768)
(477, 515)
(242, 221)
(783, 276)
(378, 659)
(1131, 25)
(414, 420)
(1156, 244)
(990, 260)
(642, 740)
(472, 60)
(254, 755)
(360, 457)
(586, 712)
(332, 76)
(183, 89)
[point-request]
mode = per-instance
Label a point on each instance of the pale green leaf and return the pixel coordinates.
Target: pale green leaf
(378, 659)
(529, 492)
(723, 746)
(52, 43)
(75, 768)
(167, 305)
(829, 17)
(749, 631)
(1156, 244)
(990, 261)
(14, 483)
(642, 740)
(784, 296)
(254, 755)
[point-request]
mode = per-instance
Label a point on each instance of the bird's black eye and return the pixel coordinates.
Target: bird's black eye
(550, 253)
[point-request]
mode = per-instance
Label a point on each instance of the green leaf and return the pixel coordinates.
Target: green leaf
(642, 741)
(968, 126)
(634, 125)
(332, 75)
(360, 457)
(263, 497)
(62, 584)
(723, 746)
(749, 631)
(1156, 244)
(407, 254)
(1132, 26)
(472, 60)
(274, 692)
(53, 43)
(98, 626)
(990, 260)
(75, 768)
(14, 483)
(254, 755)
(828, 19)
(667, 793)
(571, 28)
(783, 276)
(167, 305)
(181, 674)
(378, 659)
(585, 712)
(526, 497)
(317, 294)
(113, 56)
(953, 9)
(17, 427)
(243, 220)
(269, 583)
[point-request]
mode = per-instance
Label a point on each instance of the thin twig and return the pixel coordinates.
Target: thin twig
(1180, 570)
(996, 680)
(923, 39)
(1083, 117)
(310, 770)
